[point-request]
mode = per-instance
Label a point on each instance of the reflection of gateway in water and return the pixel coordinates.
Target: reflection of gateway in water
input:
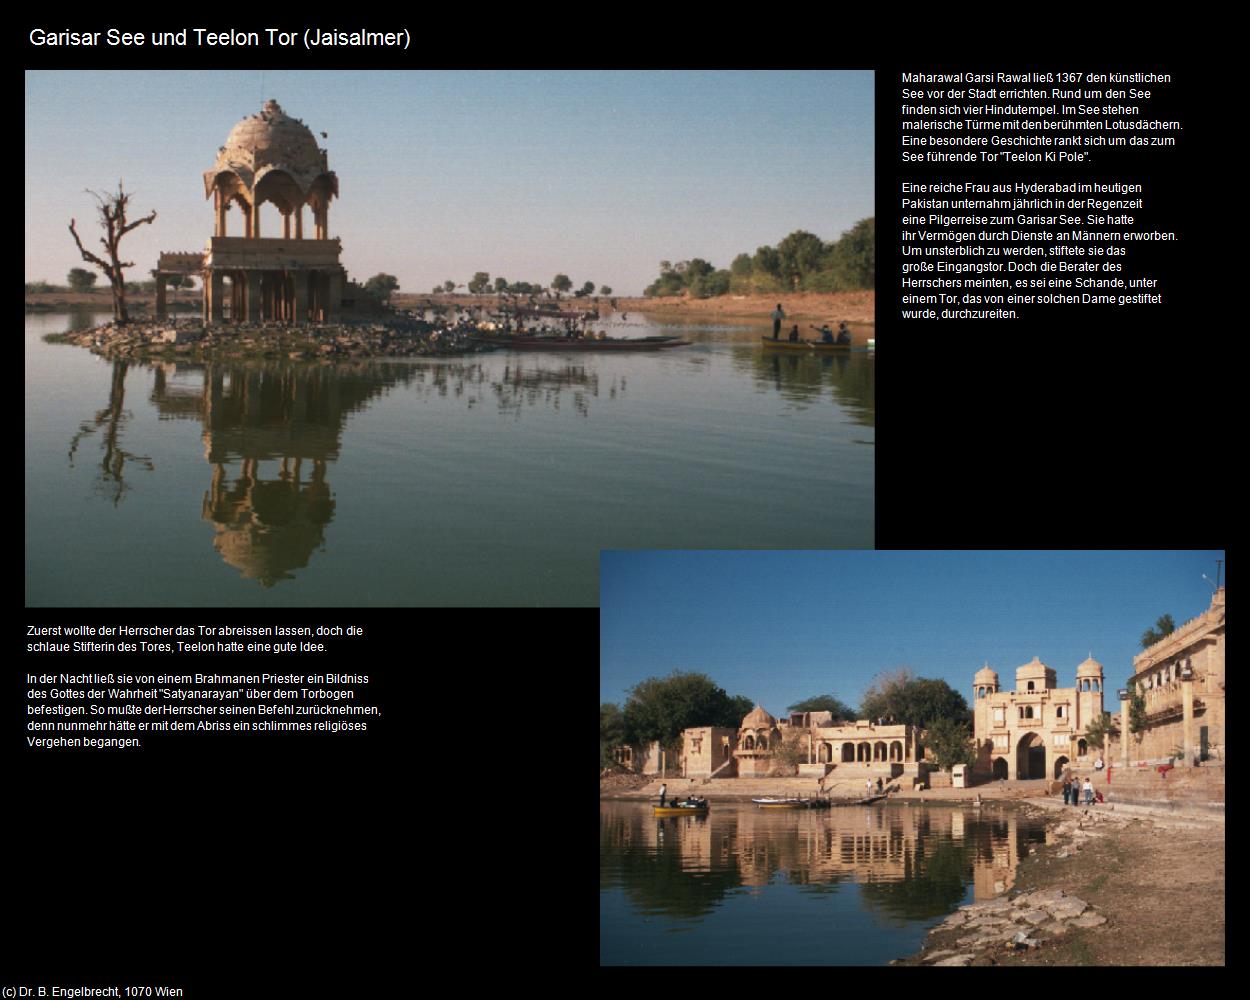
(269, 523)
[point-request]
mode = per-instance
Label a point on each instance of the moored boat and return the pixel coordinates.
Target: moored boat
(771, 803)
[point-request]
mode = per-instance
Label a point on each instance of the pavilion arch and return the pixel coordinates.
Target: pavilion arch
(896, 750)
(1082, 748)
(1001, 768)
(848, 753)
(1060, 764)
(878, 750)
(749, 742)
(825, 754)
(863, 753)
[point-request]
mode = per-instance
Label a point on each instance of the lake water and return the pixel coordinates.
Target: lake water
(493, 479)
(855, 885)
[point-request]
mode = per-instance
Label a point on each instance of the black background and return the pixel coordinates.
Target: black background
(345, 865)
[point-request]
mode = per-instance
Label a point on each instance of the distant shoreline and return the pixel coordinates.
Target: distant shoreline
(856, 308)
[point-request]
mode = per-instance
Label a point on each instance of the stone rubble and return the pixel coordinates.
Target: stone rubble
(191, 340)
(1028, 919)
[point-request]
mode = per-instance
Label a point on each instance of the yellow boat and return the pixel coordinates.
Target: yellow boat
(679, 810)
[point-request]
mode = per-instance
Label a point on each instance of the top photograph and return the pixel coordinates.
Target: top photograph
(418, 339)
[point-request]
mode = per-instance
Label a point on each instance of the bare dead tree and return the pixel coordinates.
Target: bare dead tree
(112, 211)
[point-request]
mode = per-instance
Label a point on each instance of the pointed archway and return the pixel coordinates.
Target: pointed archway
(1031, 756)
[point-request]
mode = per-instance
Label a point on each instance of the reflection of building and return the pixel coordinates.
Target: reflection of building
(268, 157)
(1037, 729)
(1181, 678)
(283, 425)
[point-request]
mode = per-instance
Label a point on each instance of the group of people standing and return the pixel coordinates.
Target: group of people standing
(1072, 789)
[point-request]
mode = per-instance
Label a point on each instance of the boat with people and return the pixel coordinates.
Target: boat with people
(810, 345)
(679, 809)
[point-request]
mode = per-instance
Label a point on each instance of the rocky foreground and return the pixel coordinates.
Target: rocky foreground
(1108, 888)
(193, 341)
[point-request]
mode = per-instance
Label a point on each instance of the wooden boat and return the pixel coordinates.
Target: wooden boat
(680, 810)
(807, 345)
(557, 343)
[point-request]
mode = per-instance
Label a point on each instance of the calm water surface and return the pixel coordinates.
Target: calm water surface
(846, 886)
(493, 479)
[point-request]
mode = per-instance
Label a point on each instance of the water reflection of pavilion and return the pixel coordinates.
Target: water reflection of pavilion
(282, 424)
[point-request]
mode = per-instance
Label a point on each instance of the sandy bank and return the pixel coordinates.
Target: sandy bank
(1117, 889)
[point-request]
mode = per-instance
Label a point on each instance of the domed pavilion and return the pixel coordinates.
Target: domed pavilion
(268, 157)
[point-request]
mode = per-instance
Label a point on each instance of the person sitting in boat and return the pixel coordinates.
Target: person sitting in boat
(844, 335)
(826, 334)
(794, 334)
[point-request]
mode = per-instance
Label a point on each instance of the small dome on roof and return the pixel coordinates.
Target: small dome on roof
(986, 675)
(1034, 668)
(1090, 668)
(757, 718)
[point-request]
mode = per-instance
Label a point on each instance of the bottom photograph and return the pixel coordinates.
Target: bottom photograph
(911, 758)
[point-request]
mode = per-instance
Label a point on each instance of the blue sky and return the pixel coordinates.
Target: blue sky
(782, 626)
(523, 174)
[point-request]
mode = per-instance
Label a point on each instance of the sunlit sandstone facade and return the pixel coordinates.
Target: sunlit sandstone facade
(268, 157)
(1181, 678)
(1037, 729)
(848, 747)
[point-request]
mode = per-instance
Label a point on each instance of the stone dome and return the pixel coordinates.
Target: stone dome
(1034, 668)
(757, 718)
(1090, 668)
(985, 676)
(268, 141)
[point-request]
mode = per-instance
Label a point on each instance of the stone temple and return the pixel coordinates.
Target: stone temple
(291, 277)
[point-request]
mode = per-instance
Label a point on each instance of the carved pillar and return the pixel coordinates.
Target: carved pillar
(255, 234)
(286, 226)
(160, 296)
(1125, 735)
(300, 312)
(214, 299)
(334, 295)
(221, 204)
(253, 296)
(299, 222)
(1187, 695)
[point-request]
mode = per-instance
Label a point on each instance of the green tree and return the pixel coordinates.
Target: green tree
(1097, 732)
(479, 283)
(611, 731)
(799, 253)
(605, 290)
(449, 287)
(382, 286)
(659, 708)
(80, 279)
(1136, 711)
(741, 266)
(561, 283)
(588, 288)
(501, 284)
(1164, 626)
(824, 703)
(950, 741)
(851, 261)
(767, 261)
(916, 701)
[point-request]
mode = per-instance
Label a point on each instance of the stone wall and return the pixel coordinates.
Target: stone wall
(1201, 787)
